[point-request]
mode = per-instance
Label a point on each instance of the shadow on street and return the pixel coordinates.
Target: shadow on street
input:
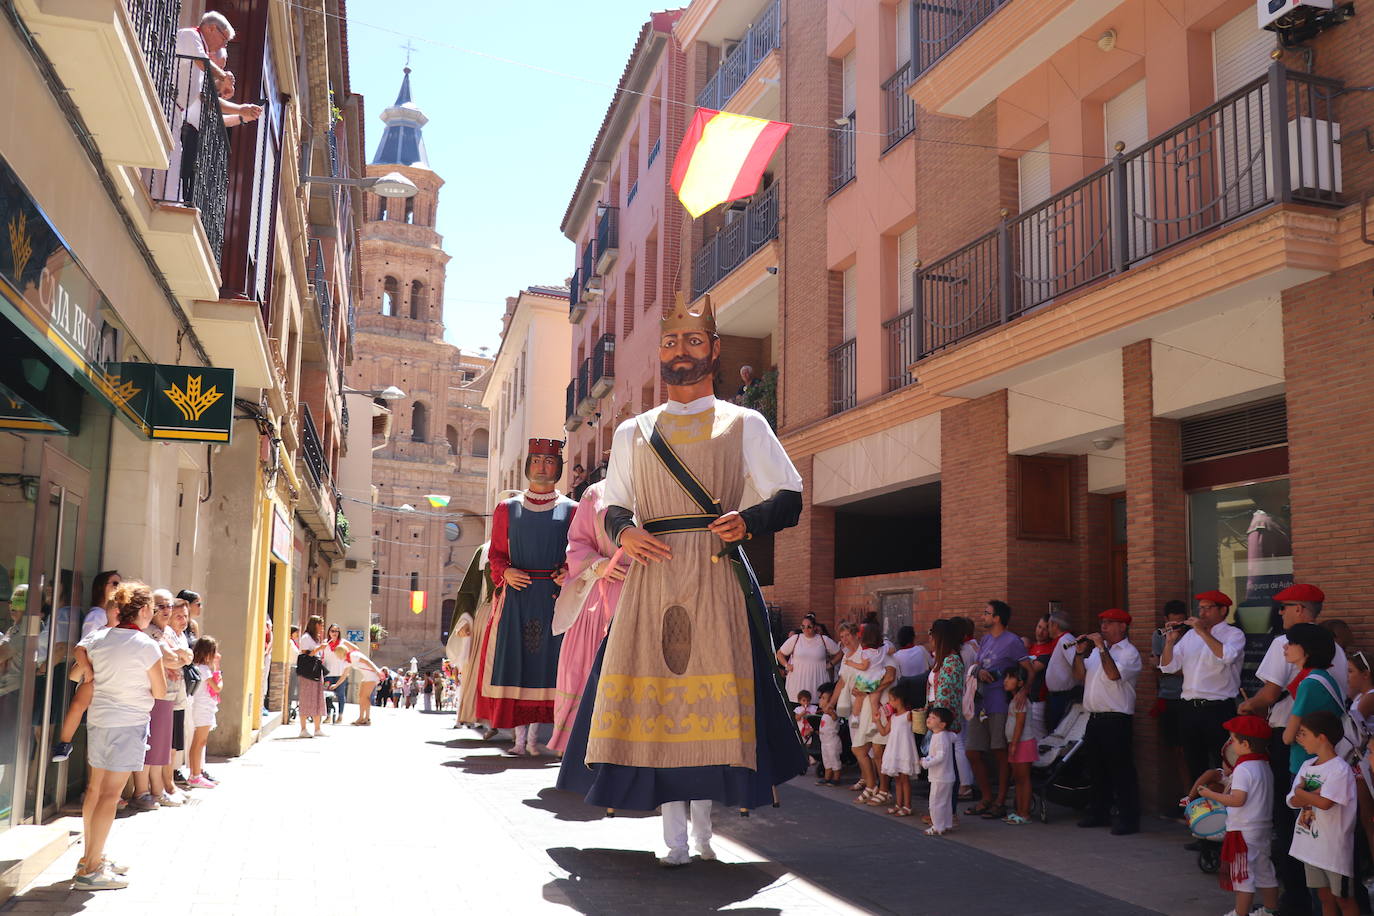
(625, 881)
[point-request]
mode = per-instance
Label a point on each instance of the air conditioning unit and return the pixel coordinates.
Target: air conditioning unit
(1314, 156)
(1296, 12)
(350, 564)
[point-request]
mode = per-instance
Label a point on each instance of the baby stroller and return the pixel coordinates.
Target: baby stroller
(1060, 775)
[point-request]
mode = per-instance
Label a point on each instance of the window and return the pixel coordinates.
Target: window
(410, 210)
(414, 581)
(849, 324)
(451, 435)
(1240, 542)
(381, 208)
(479, 443)
(419, 423)
(452, 531)
(902, 33)
(391, 293)
(906, 268)
(376, 581)
(417, 302)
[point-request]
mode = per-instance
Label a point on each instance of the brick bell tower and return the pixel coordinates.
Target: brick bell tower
(436, 439)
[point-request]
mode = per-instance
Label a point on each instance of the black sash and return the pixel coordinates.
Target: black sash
(694, 488)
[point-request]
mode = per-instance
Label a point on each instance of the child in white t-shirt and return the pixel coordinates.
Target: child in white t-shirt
(802, 711)
(1324, 792)
(830, 739)
(1248, 795)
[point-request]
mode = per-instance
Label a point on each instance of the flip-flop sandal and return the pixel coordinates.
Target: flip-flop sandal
(978, 810)
(995, 813)
(1015, 819)
(902, 812)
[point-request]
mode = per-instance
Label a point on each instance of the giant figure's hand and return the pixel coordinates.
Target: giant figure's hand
(729, 527)
(516, 578)
(643, 546)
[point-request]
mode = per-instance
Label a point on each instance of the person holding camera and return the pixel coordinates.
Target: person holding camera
(1208, 652)
(1109, 665)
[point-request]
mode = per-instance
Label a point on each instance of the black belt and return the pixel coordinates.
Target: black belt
(1109, 715)
(541, 573)
(671, 524)
(1207, 702)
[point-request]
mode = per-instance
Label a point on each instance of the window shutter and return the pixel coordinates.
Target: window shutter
(851, 322)
(1240, 52)
(903, 32)
(906, 266)
(1241, 429)
(1124, 119)
(849, 93)
(1033, 170)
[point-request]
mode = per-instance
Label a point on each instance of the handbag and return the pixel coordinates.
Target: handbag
(192, 678)
(309, 667)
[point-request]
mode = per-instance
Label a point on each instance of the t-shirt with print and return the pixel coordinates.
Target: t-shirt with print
(1326, 839)
(1256, 780)
(1312, 695)
(121, 658)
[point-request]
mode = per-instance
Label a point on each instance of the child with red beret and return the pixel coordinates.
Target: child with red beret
(1248, 796)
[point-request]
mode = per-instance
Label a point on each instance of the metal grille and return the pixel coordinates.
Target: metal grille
(899, 111)
(155, 21)
(842, 377)
(938, 26)
(842, 155)
(1243, 429)
(763, 36)
(736, 241)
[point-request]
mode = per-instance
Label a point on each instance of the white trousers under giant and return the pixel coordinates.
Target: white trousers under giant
(675, 823)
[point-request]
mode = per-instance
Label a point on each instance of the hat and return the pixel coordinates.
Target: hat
(1115, 613)
(680, 319)
(552, 447)
(1301, 592)
(1215, 597)
(1248, 726)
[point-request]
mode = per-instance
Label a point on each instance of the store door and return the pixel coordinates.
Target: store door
(53, 623)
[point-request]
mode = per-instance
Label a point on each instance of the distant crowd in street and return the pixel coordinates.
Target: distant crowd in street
(985, 717)
(149, 689)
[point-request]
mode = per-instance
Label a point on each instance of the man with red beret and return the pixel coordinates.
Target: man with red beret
(1300, 603)
(1108, 665)
(1208, 651)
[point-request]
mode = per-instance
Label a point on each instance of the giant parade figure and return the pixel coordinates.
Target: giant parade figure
(681, 707)
(528, 556)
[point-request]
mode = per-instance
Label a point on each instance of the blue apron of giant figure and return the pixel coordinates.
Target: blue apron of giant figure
(528, 555)
(682, 706)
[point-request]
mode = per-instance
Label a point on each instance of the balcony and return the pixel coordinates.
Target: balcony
(842, 155)
(316, 507)
(763, 37)
(899, 111)
(1224, 163)
(843, 377)
(586, 402)
(736, 241)
(603, 366)
(653, 153)
(574, 419)
(899, 335)
(607, 239)
(632, 193)
(319, 284)
(577, 305)
(936, 27)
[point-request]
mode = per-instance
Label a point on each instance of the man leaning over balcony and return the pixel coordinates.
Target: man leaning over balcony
(208, 42)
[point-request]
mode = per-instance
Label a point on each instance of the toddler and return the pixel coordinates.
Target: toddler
(869, 659)
(1247, 794)
(803, 712)
(830, 737)
(900, 760)
(1324, 792)
(939, 764)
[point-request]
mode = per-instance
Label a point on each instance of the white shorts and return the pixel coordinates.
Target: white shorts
(1258, 862)
(119, 748)
(203, 714)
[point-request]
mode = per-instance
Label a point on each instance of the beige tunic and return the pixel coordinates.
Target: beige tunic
(677, 685)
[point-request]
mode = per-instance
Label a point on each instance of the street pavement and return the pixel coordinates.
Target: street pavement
(413, 813)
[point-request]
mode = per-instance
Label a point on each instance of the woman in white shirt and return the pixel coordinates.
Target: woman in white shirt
(126, 665)
(807, 656)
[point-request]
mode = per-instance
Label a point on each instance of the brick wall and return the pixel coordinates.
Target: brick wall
(856, 596)
(975, 502)
(804, 559)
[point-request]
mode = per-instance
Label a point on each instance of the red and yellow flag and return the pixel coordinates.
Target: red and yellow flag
(722, 158)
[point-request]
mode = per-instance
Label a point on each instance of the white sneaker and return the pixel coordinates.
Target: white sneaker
(705, 852)
(675, 858)
(167, 800)
(103, 879)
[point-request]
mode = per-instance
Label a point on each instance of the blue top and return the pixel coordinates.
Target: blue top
(1312, 696)
(996, 654)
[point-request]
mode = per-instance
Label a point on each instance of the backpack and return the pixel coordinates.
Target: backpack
(971, 684)
(1350, 748)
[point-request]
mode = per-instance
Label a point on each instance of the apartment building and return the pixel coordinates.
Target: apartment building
(173, 330)
(434, 437)
(623, 222)
(1094, 316)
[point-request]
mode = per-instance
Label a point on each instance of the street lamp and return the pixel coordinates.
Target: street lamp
(389, 393)
(392, 184)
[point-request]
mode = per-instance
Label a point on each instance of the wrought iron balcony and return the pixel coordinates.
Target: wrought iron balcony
(938, 25)
(632, 193)
(899, 111)
(586, 404)
(900, 335)
(312, 451)
(653, 152)
(588, 263)
(573, 418)
(736, 241)
(1273, 141)
(842, 155)
(843, 378)
(762, 38)
(603, 366)
(319, 283)
(155, 21)
(607, 238)
(198, 174)
(577, 305)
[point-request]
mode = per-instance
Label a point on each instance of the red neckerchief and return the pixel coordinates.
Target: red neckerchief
(1293, 687)
(1235, 856)
(334, 644)
(1244, 757)
(128, 626)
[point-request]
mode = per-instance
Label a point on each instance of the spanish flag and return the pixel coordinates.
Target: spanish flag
(722, 158)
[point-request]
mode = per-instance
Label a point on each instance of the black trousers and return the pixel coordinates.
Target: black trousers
(190, 148)
(1110, 746)
(1203, 734)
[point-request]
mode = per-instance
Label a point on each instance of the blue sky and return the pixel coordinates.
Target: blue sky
(509, 141)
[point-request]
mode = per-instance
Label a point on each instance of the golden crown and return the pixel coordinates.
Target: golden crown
(680, 319)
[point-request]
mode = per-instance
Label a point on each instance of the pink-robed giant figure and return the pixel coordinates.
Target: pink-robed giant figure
(590, 570)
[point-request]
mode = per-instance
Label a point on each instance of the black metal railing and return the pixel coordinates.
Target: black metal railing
(736, 241)
(899, 332)
(332, 141)
(603, 361)
(319, 282)
(653, 152)
(607, 231)
(1228, 160)
(843, 383)
(155, 21)
(938, 25)
(343, 403)
(571, 416)
(588, 262)
(842, 154)
(762, 38)
(899, 111)
(632, 193)
(575, 291)
(311, 449)
(198, 172)
(585, 401)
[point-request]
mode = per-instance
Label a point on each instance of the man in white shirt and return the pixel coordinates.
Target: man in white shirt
(1208, 651)
(1063, 690)
(1109, 666)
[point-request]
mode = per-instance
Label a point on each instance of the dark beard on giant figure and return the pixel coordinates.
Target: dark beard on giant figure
(699, 369)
